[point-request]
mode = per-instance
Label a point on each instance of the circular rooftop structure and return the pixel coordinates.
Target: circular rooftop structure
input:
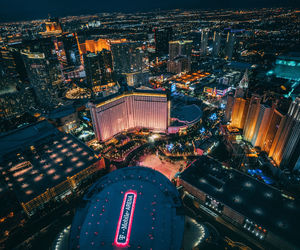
(130, 208)
(186, 114)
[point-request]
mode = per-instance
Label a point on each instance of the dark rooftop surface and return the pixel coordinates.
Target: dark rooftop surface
(156, 223)
(185, 113)
(290, 56)
(38, 157)
(257, 201)
(19, 138)
(239, 65)
(61, 112)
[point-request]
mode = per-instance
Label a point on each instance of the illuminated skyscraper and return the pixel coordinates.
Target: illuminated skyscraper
(126, 57)
(291, 151)
(239, 92)
(229, 47)
(251, 118)
(180, 48)
(180, 56)
(92, 69)
(239, 112)
(98, 68)
(43, 45)
(229, 107)
(261, 126)
(9, 75)
(162, 38)
(137, 79)
(106, 65)
(216, 44)
(94, 46)
(179, 64)
(204, 41)
(15, 104)
(44, 76)
(274, 123)
(71, 50)
(285, 148)
(137, 56)
(53, 26)
(244, 82)
(140, 109)
(174, 49)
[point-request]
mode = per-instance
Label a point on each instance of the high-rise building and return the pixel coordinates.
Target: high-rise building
(291, 151)
(43, 45)
(139, 109)
(180, 56)
(195, 36)
(251, 118)
(239, 112)
(137, 79)
(9, 76)
(285, 147)
(174, 49)
(44, 76)
(216, 44)
(162, 38)
(71, 50)
(179, 64)
(261, 126)
(16, 103)
(274, 123)
(127, 57)
(53, 26)
(244, 82)
(204, 41)
(229, 46)
(92, 69)
(180, 48)
(239, 92)
(229, 107)
(136, 59)
(98, 68)
(94, 46)
(106, 65)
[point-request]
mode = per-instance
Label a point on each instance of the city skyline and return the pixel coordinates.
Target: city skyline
(34, 9)
(166, 129)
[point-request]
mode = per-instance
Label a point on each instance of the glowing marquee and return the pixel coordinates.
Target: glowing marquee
(125, 220)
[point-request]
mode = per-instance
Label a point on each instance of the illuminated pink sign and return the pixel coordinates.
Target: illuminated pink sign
(125, 220)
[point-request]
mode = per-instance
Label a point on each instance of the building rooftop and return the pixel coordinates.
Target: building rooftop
(253, 199)
(38, 157)
(61, 112)
(290, 56)
(128, 92)
(185, 113)
(239, 65)
(149, 220)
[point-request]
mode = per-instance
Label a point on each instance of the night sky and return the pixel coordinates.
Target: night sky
(15, 10)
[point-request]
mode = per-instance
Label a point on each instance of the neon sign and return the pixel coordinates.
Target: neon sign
(125, 220)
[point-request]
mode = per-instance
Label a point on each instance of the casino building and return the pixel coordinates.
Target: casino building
(259, 212)
(129, 110)
(134, 207)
